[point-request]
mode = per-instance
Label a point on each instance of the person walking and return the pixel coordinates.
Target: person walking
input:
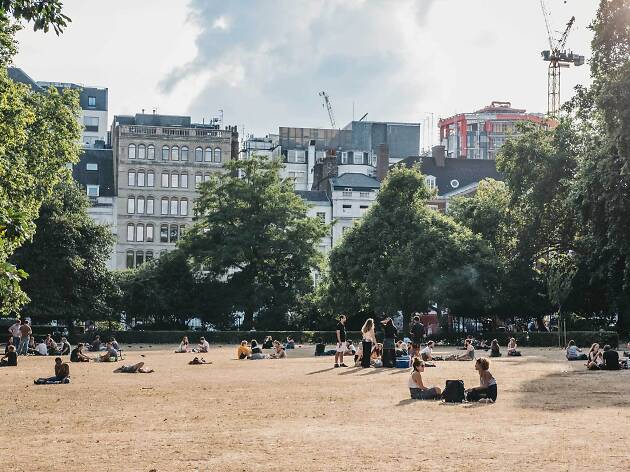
(14, 329)
(341, 341)
(25, 333)
(369, 340)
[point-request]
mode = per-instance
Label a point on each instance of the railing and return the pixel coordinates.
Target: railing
(164, 131)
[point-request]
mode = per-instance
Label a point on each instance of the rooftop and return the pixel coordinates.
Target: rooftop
(18, 75)
(312, 195)
(352, 180)
(154, 119)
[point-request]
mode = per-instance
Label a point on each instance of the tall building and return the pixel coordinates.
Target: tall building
(159, 162)
(479, 135)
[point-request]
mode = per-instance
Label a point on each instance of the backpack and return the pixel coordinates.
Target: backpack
(453, 391)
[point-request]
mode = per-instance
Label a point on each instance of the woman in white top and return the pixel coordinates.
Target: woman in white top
(369, 340)
(487, 388)
(417, 389)
(512, 348)
(183, 346)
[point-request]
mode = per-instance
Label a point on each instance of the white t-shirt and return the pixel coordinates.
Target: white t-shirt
(42, 349)
(572, 351)
(204, 345)
(15, 330)
(427, 350)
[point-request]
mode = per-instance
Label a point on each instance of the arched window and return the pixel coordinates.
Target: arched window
(140, 205)
(198, 154)
(140, 233)
(130, 264)
(175, 153)
(151, 152)
(139, 258)
(163, 233)
(165, 179)
(131, 205)
(165, 153)
(150, 204)
(131, 232)
(142, 154)
(174, 206)
(164, 206)
(150, 178)
(131, 151)
(208, 155)
(184, 156)
(174, 180)
(183, 207)
(140, 178)
(217, 154)
(149, 238)
(198, 180)
(131, 178)
(174, 233)
(183, 181)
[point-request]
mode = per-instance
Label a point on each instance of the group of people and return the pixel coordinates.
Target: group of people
(184, 346)
(597, 358)
(254, 351)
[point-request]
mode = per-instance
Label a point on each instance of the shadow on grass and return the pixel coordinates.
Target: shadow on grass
(351, 370)
(321, 371)
(575, 390)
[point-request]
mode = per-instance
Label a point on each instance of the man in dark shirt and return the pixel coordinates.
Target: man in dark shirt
(341, 341)
(611, 358)
(10, 358)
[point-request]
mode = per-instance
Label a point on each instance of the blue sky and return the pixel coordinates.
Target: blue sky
(264, 62)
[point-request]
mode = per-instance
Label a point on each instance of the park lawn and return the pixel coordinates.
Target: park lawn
(301, 414)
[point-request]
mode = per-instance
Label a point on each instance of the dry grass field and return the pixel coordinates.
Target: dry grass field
(300, 414)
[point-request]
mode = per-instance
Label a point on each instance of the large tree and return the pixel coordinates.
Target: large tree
(252, 234)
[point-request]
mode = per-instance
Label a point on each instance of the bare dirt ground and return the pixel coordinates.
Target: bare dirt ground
(300, 414)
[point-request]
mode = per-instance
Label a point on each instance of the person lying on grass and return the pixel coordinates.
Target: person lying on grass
(417, 389)
(76, 355)
(199, 361)
(62, 374)
(133, 369)
(487, 389)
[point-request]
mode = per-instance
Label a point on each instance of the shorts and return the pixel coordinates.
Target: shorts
(428, 394)
(341, 347)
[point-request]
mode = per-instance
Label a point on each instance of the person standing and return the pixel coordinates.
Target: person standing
(416, 331)
(389, 342)
(341, 341)
(369, 340)
(25, 333)
(14, 329)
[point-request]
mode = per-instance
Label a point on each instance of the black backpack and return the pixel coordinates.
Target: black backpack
(454, 391)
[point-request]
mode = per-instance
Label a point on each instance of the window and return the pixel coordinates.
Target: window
(183, 207)
(346, 208)
(198, 154)
(183, 181)
(142, 151)
(131, 231)
(364, 194)
(198, 180)
(91, 101)
(184, 155)
(182, 228)
(357, 158)
(92, 190)
(217, 154)
(149, 238)
(131, 178)
(208, 155)
(149, 205)
(131, 151)
(130, 264)
(140, 233)
(139, 258)
(454, 183)
(344, 157)
(140, 178)
(174, 233)
(91, 166)
(150, 178)
(165, 179)
(430, 181)
(165, 153)
(347, 192)
(140, 205)
(206, 177)
(174, 180)
(149, 256)
(164, 233)
(174, 206)
(322, 216)
(164, 206)
(131, 205)
(175, 153)
(151, 152)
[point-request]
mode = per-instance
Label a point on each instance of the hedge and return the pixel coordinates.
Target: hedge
(534, 339)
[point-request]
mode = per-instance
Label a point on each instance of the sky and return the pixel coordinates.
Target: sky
(264, 62)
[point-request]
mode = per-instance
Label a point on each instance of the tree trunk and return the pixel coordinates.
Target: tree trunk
(248, 320)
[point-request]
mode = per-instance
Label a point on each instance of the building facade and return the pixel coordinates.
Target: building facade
(479, 135)
(159, 163)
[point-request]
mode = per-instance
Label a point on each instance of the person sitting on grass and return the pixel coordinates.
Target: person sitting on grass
(133, 369)
(574, 353)
(376, 359)
(278, 351)
(320, 348)
(290, 344)
(96, 344)
(256, 351)
(351, 350)
(115, 344)
(183, 345)
(243, 351)
(427, 352)
(110, 354)
(76, 355)
(10, 358)
(512, 348)
(268, 343)
(417, 389)
(203, 346)
(594, 358)
(610, 359)
(41, 349)
(9, 344)
(487, 389)
(494, 349)
(64, 347)
(62, 374)
(401, 348)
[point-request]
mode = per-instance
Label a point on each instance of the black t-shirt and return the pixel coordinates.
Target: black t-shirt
(256, 350)
(342, 331)
(390, 331)
(12, 358)
(417, 331)
(611, 360)
(320, 348)
(74, 357)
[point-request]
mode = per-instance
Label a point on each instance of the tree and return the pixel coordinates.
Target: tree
(253, 235)
(43, 13)
(39, 136)
(67, 260)
(405, 256)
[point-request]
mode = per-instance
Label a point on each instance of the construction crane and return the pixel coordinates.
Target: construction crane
(328, 107)
(558, 57)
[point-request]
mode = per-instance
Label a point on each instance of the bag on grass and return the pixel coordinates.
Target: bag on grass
(453, 391)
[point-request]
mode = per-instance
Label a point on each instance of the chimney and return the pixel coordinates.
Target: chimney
(382, 162)
(439, 155)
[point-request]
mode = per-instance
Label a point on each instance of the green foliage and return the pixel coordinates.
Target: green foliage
(42, 13)
(252, 237)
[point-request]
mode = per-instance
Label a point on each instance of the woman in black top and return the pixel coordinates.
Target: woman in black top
(389, 340)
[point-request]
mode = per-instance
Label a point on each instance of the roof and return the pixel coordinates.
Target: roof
(18, 75)
(312, 195)
(154, 119)
(99, 94)
(355, 181)
(103, 177)
(465, 171)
